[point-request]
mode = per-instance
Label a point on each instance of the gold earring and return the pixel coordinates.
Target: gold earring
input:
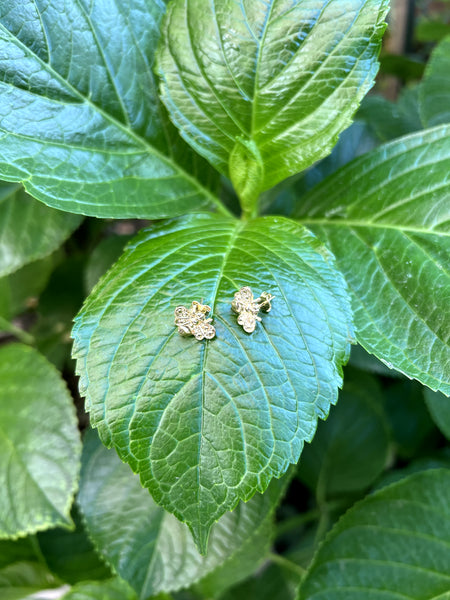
(248, 308)
(193, 321)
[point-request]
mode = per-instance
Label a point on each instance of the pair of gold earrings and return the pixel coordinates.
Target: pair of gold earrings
(193, 321)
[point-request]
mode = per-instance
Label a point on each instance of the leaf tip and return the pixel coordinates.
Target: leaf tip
(200, 533)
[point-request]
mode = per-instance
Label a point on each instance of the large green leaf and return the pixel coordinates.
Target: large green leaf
(207, 424)
(393, 544)
(150, 548)
(28, 229)
(386, 217)
(80, 121)
(263, 88)
(350, 448)
(39, 444)
(435, 87)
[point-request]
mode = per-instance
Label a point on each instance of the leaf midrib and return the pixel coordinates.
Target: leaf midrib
(46, 67)
(369, 225)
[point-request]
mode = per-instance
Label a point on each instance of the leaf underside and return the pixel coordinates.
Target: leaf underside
(206, 424)
(386, 217)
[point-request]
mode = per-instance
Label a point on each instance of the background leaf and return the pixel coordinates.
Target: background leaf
(150, 548)
(435, 87)
(273, 583)
(39, 458)
(267, 86)
(350, 449)
(80, 121)
(28, 229)
(439, 407)
(411, 428)
(22, 580)
(410, 522)
(114, 589)
(206, 424)
(385, 216)
(70, 554)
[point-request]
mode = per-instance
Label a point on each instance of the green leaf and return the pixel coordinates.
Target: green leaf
(274, 583)
(114, 589)
(22, 580)
(435, 87)
(39, 457)
(102, 257)
(20, 550)
(410, 424)
(350, 449)
(278, 79)
(439, 407)
(364, 361)
(207, 424)
(385, 216)
(20, 290)
(150, 548)
(28, 229)
(391, 545)
(353, 142)
(80, 121)
(390, 120)
(71, 555)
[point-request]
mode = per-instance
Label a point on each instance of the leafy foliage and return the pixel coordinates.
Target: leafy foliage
(350, 448)
(200, 438)
(435, 88)
(29, 230)
(262, 89)
(389, 233)
(103, 108)
(36, 455)
(151, 549)
(411, 522)
(81, 133)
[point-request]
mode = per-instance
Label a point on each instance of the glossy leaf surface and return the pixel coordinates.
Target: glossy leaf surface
(28, 229)
(150, 548)
(39, 458)
(263, 88)
(435, 87)
(391, 545)
(386, 217)
(80, 121)
(350, 448)
(206, 424)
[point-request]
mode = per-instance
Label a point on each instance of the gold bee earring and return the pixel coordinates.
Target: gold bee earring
(193, 321)
(248, 308)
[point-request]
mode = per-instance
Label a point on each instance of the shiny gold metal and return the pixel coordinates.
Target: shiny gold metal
(192, 321)
(248, 308)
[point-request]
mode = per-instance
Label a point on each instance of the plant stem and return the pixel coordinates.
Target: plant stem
(287, 564)
(19, 333)
(37, 550)
(297, 521)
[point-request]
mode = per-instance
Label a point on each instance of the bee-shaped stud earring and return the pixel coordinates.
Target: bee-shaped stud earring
(248, 308)
(193, 321)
